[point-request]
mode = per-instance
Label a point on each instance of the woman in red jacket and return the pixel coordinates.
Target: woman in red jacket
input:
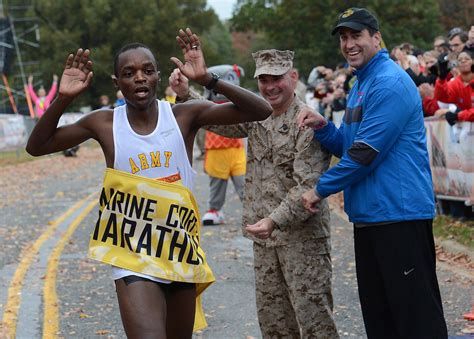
(459, 91)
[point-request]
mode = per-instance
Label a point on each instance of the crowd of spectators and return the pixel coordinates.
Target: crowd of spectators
(443, 75)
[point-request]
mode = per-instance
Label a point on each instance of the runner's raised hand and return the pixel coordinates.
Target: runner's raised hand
(194, 67)
(77, 73)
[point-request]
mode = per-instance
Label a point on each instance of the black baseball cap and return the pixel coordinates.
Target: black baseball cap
(357, 19)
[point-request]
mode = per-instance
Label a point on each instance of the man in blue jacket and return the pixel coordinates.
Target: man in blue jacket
(385, 175)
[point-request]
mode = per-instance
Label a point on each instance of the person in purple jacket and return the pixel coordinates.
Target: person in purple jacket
(388, 195)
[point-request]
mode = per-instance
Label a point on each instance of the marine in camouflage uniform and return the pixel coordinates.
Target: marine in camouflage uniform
(293, 265)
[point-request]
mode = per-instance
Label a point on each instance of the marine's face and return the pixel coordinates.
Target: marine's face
(278, 90)
(358, 47)
(138, 77)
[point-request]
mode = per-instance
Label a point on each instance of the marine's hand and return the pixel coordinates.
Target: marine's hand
(194, 67)
(77, 74)
(261, 229)
(310, 201)
(309, 118)
(179, 83)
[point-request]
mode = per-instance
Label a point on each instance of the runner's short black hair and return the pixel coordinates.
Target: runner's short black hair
(127, 47)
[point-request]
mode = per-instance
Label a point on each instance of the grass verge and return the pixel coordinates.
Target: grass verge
(14, 157)
(19, 155)
(445, 227)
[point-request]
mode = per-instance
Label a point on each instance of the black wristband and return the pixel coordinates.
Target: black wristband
(213, 82)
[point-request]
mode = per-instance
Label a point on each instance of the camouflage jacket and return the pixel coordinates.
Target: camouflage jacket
(283, 162)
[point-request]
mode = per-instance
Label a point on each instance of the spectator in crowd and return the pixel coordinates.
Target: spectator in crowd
(104, 102)
(384, 163)
(120, 101)
(411, 65)
(431, 59)
(224, 158)
(441, 44)
(419, 54)
(300, 89)
(457, 40)
(470, 42)
(459, 91)
(42, 100)
(339, 95)
(407, 48)
(429, 102)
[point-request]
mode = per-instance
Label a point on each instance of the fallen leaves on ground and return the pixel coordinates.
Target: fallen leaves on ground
(458, 259)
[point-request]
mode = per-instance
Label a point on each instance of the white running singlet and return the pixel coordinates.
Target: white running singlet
(162, 153)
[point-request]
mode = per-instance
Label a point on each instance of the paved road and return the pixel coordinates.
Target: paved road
(47, 285)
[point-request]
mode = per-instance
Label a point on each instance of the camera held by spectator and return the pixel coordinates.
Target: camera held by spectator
(445, 64)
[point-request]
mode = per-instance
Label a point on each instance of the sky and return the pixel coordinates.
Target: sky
(223, 8)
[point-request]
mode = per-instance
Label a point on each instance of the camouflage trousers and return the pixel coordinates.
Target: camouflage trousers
(293, 290)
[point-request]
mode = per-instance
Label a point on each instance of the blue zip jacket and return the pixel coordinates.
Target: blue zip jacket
(384, 168)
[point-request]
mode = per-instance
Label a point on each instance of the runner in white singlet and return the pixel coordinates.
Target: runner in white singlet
(149, 309)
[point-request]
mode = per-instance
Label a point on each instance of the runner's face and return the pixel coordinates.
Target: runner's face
(138, 77)
(358, 47)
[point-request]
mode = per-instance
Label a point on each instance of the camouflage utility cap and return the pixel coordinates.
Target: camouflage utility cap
(272, 62)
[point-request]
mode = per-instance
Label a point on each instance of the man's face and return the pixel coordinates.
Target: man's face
(456, 44)
(430, 60)
(137, 77)
(278, 90)
(358, 47)
(438, 45)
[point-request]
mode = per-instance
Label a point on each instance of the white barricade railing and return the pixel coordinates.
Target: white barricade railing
(12, 131)
(15, 129)
(451, 150)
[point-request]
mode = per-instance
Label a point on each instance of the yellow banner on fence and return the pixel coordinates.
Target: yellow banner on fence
(151, 227)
